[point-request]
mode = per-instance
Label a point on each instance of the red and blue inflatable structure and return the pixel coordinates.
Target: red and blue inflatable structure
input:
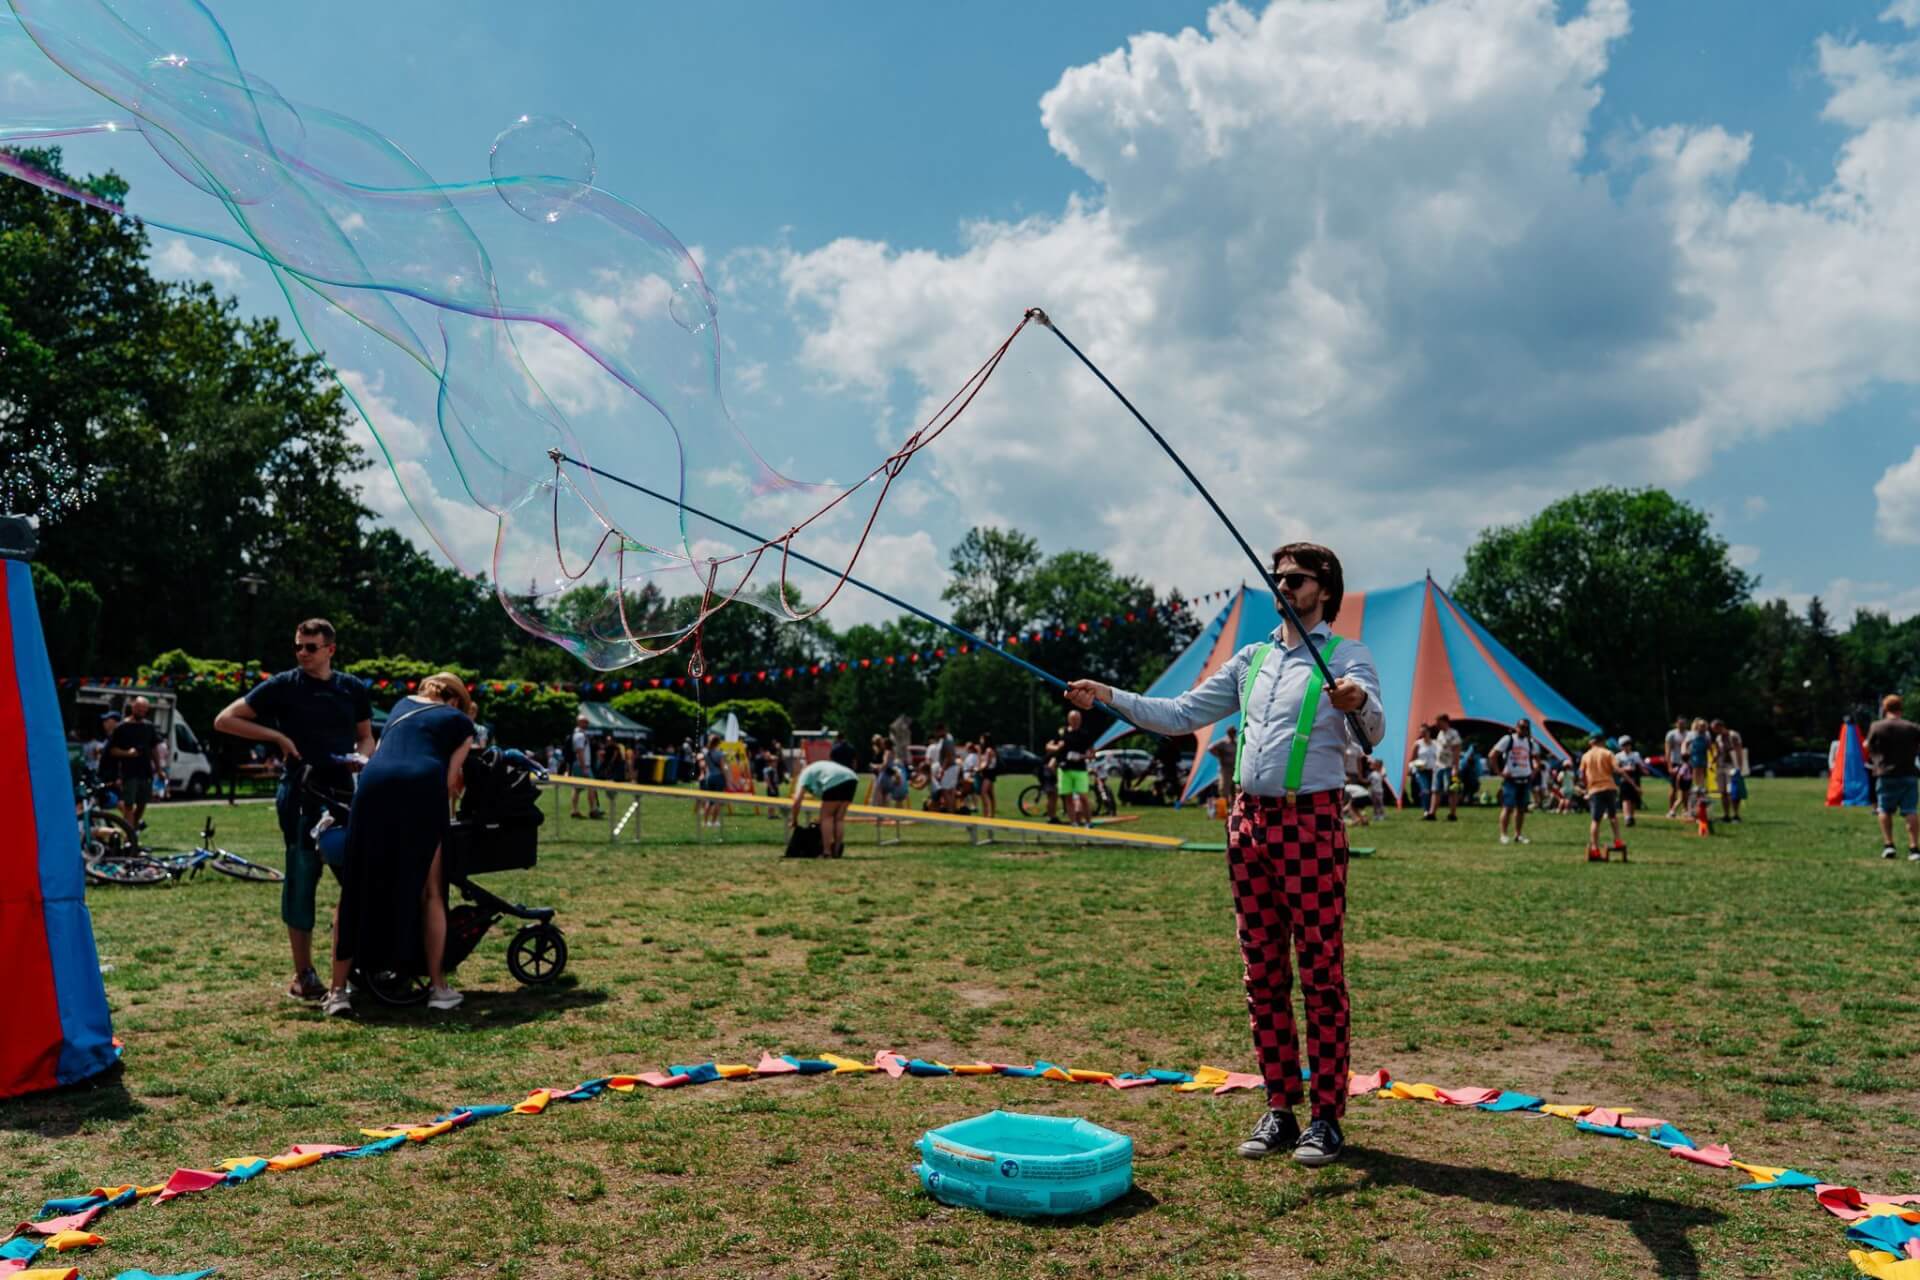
(1848, 782)
(54, 1025)
(1432, 657)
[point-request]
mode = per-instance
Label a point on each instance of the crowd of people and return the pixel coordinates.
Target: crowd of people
(1702, 762)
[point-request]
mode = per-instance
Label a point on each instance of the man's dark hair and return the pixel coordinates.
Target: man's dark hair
(316, 627)
(1324, 566)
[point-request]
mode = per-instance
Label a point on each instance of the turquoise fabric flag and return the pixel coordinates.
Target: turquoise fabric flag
(1786, 1178)
(1510, 1101)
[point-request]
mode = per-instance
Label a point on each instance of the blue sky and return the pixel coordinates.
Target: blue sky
(1383, 324)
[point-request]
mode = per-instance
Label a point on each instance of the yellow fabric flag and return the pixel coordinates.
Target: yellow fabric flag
(847, 1066)
(61, 1241)
(1204, 1078)
(1884, 1266)
(1422, 1092)
(536, 1102)
(281, 1164)
(1760, 1172)
(732, 1070)
(1565, 1110)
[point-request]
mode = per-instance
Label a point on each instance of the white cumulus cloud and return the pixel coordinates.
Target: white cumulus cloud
(1361, 264)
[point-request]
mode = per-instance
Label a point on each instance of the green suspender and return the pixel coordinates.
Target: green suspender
(1260, 652)
(1302, 732)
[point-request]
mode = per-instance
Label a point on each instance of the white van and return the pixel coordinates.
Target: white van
(189, 773)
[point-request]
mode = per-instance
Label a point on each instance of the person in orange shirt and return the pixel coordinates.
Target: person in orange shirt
(1597, 768)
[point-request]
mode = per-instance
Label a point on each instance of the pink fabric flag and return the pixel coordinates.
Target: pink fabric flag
(1370, 1083)
(1640, 1122)
(1240, 1080)
(1717, 1156)
(661, 1080)
(1912, 1247)
(1850, 1202)
(772, 1066)
(72, 1221)
(1468, 1096)
(1604, 1115)
(1118, 1083)
(186, 1180)
(890, 1062)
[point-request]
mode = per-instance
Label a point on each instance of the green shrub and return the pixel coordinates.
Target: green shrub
(763, 719)
(526, 716)
(672, 718)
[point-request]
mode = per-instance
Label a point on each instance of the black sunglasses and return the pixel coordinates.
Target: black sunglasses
(310, 646)
(1294, 581)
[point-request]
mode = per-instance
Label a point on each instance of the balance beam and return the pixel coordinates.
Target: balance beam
(974, 826)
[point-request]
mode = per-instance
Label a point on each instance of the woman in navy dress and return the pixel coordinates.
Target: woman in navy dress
(393, 908)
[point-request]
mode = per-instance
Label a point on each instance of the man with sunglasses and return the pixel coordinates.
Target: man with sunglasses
(317, 717)
(1286, 846)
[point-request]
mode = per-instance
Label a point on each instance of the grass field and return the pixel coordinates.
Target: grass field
(1757, 988)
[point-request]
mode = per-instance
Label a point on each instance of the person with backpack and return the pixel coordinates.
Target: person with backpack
(1517, 758)
(1286, 844)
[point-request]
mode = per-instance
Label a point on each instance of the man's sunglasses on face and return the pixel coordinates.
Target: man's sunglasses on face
(308, 646)
(1294, 581)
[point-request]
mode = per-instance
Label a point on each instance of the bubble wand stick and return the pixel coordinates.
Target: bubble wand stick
(1266, 575)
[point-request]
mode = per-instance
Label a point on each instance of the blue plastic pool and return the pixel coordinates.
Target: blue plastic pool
(1025, 1166)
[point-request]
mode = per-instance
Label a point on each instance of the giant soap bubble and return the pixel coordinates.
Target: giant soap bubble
(494, 334)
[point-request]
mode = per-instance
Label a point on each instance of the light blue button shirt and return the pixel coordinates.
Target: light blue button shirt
(1273, 711)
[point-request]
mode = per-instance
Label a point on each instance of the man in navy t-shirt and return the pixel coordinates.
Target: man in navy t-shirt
(316, 716)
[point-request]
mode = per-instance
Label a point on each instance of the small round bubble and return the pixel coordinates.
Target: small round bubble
(691, 307)
(541, 165)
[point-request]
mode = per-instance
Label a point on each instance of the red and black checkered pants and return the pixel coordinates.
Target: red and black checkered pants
(1288, 863)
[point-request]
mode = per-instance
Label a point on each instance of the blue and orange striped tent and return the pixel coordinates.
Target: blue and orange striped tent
(55, 1028)
(1433, 657)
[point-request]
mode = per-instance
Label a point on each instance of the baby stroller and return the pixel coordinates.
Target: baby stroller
(497, 828)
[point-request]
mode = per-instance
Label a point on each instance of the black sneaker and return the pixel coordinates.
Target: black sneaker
(1277, 1131)
(1888, 852)
(1321, 1144)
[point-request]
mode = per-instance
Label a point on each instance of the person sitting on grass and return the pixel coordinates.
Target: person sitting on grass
(1597, 769)
(834, 786)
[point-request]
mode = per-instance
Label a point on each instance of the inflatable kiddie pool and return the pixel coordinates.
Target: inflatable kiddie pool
(1025, 1166)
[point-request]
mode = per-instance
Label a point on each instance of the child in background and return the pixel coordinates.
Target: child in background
(1377, 787)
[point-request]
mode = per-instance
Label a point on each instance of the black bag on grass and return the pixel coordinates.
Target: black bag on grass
(805, 842)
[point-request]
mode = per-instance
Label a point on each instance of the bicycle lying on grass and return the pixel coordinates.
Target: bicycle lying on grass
(135, 866)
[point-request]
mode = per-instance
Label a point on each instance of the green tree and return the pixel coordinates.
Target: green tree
(988, 590)
(400, 600)
(69, 618)
(526, 716)
(863, 701)
(1623, 600)
(672, 718)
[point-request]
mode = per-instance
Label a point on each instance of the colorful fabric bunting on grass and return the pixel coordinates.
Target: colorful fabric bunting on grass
(1890, 1225)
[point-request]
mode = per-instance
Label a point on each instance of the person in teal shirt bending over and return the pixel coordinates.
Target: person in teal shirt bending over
(1286, 847)
(833, 785)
